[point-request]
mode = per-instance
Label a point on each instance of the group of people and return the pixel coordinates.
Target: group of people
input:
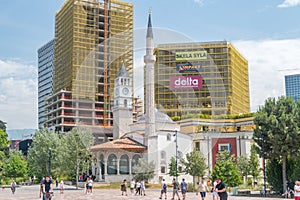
(218, 190)
(183, 186)
(296, 191)
(137, 188)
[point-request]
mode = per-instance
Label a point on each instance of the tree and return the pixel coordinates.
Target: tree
(2, 126)
(195, 164)
(243, 166)
(143, 170)
(3, 139)
(77, 143)
(15, 166)
(277, 129)
(227, 170)
(254, 168)
(46, 146)
(172, 168)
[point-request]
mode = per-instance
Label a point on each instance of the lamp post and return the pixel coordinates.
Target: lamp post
(49, 162)
(176, 156)
(264, 162)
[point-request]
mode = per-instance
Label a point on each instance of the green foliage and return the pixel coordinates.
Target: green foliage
(2, 126)
(15, 166)
(45, 143)
(274, 174)
(280, 130)
(143, 170)
(194, 164)
(76, 150)
(172, 168)
(175, 118)
(227, 170)
(243, 165)
(3, 139)
(254, 168)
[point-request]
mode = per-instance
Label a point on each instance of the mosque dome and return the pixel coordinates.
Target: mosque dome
(159, 117)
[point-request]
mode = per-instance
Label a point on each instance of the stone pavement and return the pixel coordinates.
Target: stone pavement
(32, 193)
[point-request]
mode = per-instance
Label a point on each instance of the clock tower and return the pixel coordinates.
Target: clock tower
(122, 109)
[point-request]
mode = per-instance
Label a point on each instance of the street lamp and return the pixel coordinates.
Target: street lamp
(176, 156)
(49, 162)
(264, 162)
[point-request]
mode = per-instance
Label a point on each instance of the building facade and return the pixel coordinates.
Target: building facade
(292, 86)
(45, 74)
(92, 39)
(212, 136)
(208, 78)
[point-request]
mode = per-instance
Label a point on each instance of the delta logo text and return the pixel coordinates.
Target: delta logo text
(185, 82)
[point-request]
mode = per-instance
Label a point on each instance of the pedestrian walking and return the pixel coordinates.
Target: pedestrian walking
(124, 187)
(13, 186)
(184, 188)
(138, 188)
(132, 186)
(221, 189)
(62, 186)
(215, 193)
(202, 188)
(175, 188)
(163, 189)
(143, 187)
(56, 182)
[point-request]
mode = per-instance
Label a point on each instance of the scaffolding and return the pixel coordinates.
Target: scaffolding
(224, 73)
(92, 39)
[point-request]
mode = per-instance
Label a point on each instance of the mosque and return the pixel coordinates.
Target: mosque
(155, 136)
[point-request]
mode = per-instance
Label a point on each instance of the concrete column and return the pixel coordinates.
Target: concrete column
(130, 167)
(118, 166)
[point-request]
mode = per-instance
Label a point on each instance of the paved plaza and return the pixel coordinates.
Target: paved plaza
(32, 193)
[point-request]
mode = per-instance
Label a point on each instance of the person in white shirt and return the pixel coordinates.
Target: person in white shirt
(163, 189)
(202, 188)
(215, 193)
(132, 184)
(297, 190)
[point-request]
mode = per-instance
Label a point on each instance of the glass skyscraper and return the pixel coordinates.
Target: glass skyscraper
(45, 74)
(292, 86)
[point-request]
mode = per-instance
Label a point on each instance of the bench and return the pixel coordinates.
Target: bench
(244, 192)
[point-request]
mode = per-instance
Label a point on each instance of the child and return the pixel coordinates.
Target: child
(61, 186)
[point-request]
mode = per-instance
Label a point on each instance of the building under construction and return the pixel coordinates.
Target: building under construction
(204, 78)
(92, 39)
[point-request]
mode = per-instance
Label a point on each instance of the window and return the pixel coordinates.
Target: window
(112, 164)
(124, 164)
(168, 137)
(224, 147)
(163, 155)
(197, 146)
(163, 169)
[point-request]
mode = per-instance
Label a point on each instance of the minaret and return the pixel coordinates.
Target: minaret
(149, 60)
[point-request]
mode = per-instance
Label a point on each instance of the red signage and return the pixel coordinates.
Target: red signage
(185, 82)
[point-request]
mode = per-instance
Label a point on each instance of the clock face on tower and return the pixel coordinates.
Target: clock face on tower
(125, 90)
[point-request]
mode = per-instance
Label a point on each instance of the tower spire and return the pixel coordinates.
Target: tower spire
(149, 60)
(149, 28)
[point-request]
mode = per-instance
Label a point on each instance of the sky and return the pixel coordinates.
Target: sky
(266, 33)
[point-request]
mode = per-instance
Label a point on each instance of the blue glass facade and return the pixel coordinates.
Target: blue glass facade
(45, 76)
(292, 86)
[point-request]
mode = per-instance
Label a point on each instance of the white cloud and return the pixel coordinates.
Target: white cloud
(18, 94)
(269, 61)
(289, 3)
(200, 2)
